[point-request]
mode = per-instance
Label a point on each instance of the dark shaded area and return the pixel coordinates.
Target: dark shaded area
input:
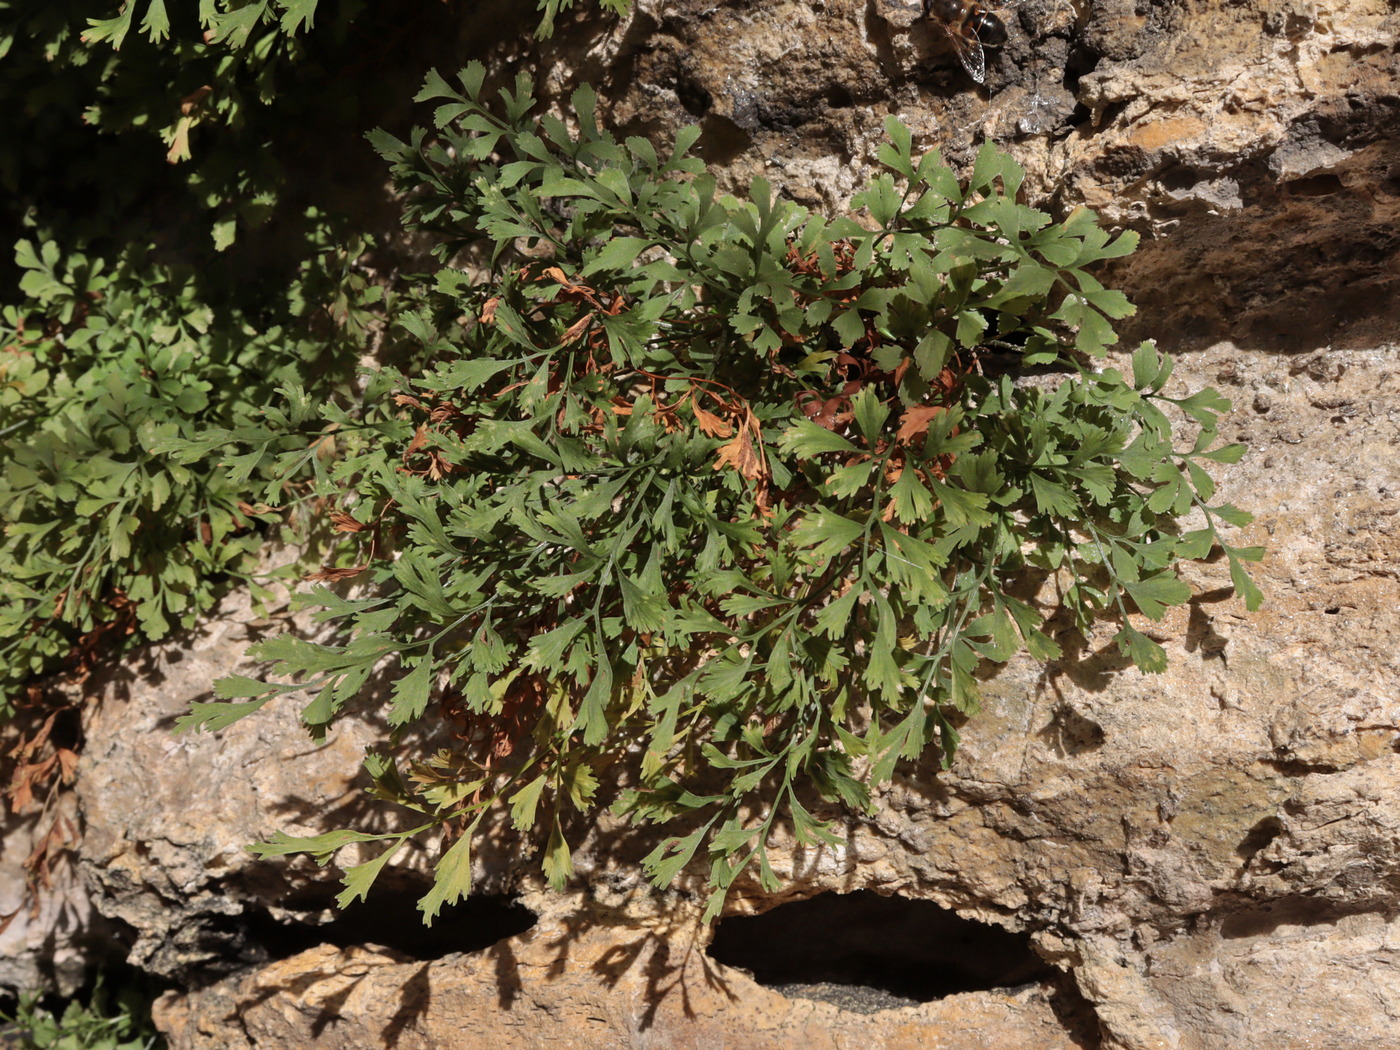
(220, 945)
(392, 919)
(1080, 62)
(1201, 633)
(838, 96)
(1293, 263)
(1262, 920)
(693, 96)
(1260, 835)
(104, 183)
(914, 950)
(1293, 767)
(1070, 732)
(721, 140)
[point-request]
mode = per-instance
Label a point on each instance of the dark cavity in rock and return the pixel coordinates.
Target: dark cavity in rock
(895, 950)
(390, 920)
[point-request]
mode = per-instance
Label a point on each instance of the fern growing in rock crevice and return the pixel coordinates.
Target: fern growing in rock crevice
(723, 500)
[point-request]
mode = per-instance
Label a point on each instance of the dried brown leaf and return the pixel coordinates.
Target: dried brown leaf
(342, 522)
(194, 98)
(740, 455)
(330, 575)
(576, 329)
(68, 763)
(915, 421)
(420, 438)
(710, 423)
(439, 466)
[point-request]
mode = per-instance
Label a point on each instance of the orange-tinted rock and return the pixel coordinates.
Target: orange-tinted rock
(600, 987)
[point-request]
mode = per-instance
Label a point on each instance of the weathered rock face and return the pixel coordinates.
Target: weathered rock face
(1254, 142)
(1211, 854)
(168, 818)
(592, 986)
(1210, 857)
(44, 944)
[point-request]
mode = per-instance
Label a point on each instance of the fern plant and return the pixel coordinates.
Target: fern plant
(143, 314)
(103, 538)
(721, 503)
(105, 1018)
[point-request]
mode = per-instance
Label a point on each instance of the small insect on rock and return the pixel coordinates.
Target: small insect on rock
(969, 26)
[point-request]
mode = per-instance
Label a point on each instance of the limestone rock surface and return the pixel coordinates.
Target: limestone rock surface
(598, 987)
(1209, 854)
(1254, 143)
(45, 941)
(167, 817)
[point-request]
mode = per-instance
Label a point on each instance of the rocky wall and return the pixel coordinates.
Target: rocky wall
(1208, 858)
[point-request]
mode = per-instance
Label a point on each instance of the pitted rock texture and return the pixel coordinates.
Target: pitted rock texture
(1253, 144)
(1210, 854)
(168, 818)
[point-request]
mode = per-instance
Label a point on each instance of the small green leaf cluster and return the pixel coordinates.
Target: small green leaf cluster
(110, 104)
(198, 125)
(103, 365)
(718, 508)
(102, 1020)
(170, 302)
(264, 22)
(550, 10)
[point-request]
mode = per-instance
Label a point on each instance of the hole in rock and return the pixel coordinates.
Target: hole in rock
(1081, 61)
(897, 948)
(693, 96)
(1259, 836)
(393, 920)
(838, 96)
(1264, 920)
(721, 140)
(1325, 185)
